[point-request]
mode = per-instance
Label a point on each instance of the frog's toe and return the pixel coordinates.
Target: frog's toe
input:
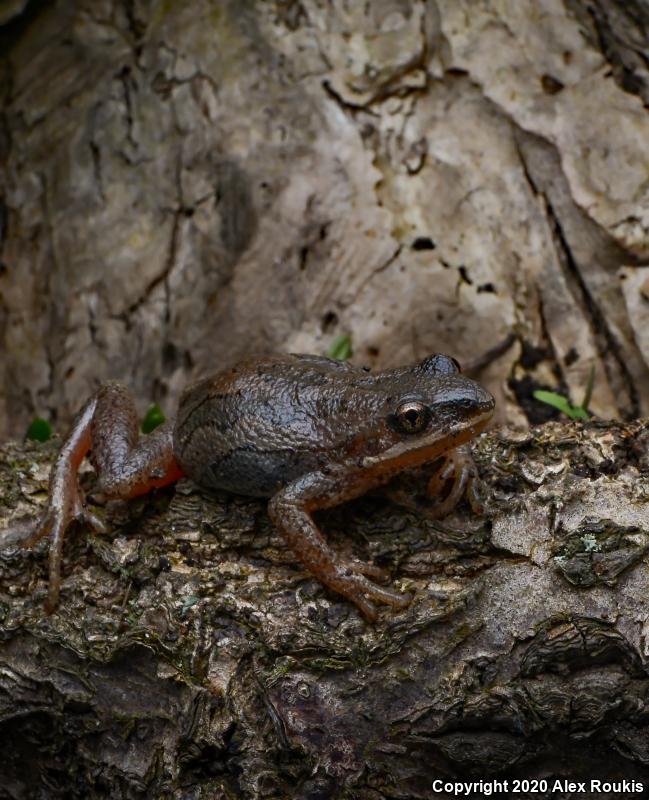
(93, 521)
(474, 497)
(367, 608)
(59, 523)
(369, 570)
(381, 595)
(81, 513)
(362, 592)
(38, 529)
(389, 598)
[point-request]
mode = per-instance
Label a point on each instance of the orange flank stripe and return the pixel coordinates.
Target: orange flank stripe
(173, 473)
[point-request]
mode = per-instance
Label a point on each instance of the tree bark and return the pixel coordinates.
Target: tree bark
(183, 183)
(192, 657)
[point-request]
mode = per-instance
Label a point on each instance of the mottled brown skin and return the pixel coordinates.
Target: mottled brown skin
(305, 431)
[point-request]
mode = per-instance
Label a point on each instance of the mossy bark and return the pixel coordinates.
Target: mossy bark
(191, 657)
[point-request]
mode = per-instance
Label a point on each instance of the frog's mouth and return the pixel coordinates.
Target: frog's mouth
(406, 454)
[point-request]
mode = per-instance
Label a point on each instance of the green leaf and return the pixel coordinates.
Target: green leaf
(553, 399)
(589, 389)
(562, 403)
(39, 430)
(341, 348)
(152, 419)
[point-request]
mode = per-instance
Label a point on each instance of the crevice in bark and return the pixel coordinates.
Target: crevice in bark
(16, 26)
(615, 27)
(136, 26)
(346, 105)
(543, 173)
(179, 213)
(601, 329)
(377, 271)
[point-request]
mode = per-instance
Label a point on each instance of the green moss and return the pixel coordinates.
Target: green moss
(39, 430)
(152, 419)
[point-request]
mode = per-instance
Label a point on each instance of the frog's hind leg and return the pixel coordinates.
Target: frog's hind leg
(127, 465)
(64, 502)
(107, 425)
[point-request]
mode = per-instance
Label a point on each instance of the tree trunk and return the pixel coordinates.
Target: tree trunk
(192, 657)
(183, 183)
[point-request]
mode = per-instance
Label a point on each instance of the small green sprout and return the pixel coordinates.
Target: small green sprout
(39, 430)
(563, 403)
(152, 419)
(341, 348)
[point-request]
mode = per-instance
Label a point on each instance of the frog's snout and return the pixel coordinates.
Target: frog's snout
(465, 401)
(482, 407)
(485, 401)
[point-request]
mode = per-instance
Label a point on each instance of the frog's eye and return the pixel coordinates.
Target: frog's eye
(440, 365)
(411, 416)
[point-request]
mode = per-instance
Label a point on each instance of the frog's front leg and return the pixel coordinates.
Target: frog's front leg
(435, 489)
(454, 480)
(291, 509)
(126, 466)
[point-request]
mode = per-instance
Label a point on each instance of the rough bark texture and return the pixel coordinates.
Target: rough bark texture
(183, 183)
(191, 658)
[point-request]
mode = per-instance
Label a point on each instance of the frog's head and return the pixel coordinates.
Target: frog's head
(435, 409)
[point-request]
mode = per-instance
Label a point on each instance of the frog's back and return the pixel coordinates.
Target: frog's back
(255, 427)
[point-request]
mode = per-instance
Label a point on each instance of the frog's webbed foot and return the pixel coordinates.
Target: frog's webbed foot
(290, 510)
(55, 517)
(65, 506)
(363, 588)
(362, 592)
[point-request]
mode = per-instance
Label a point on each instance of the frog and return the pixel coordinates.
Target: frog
(304, 431)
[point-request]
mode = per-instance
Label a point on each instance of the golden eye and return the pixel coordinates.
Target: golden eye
(412, 416)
